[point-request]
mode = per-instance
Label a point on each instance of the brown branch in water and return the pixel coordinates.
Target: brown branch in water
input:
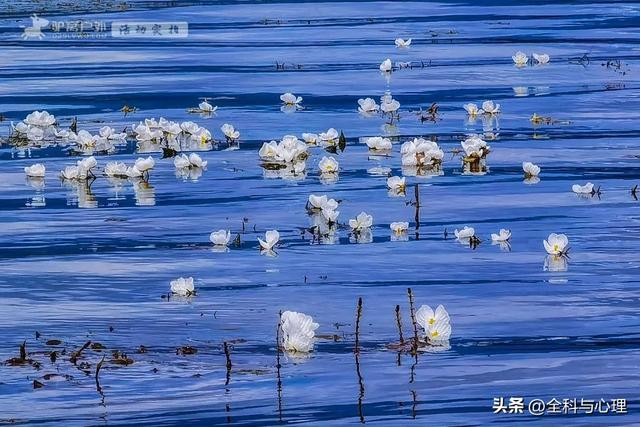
(74, 356)
(413, 321)
(417, 205)
(227, 354)
(98, 367)
(399, 323)
(415, 403)
(278, 366)
(358, 316)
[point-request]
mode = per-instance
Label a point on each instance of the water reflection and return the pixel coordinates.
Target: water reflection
(555, 263)
(145, 193)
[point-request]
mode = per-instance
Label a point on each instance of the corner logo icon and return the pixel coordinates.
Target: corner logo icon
(34, 31)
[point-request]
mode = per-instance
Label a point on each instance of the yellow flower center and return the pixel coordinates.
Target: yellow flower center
(556, 248)
(432, 321)
(434, 334)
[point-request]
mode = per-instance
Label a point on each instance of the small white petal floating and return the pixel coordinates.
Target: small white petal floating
(503, 236)
(329, 137)
(530, 170)
(402, 43)
(541, 58)
(271, 239)
(436, 325)
(472, 109)
(298, 332)
(310, 138)
(361, 222)
(116, 170)
(220, 237)
(183, 286)
(290, 99)
(556, 244)
(145, 164)
(489, 107)
(35, 171)
(399, 227)
(367, 106)
(396, 183)
(520, 59)
(230, 132)
(205, 107)
(386, 66)
(328, 165)
(378, 143)
(583, 189)
(465, 233)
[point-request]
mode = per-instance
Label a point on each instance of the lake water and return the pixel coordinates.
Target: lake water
(78, 266)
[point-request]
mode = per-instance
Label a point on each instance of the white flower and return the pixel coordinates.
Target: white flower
(290, 99)
(110, 133)
(378, 143)
(35, 134)
(183, 286)
(488, 107)
(310, 138)
(386, 66)
(134, 172)
(556, 244)
(202, 134)
(115, 169)
(361, 222)
(396, 183)
(85, 166)
(403, 43)
(220, 237)
(144, 165)
(331, 215)
(229, 131)
(465, 233)
(541, 58)
(503, 236)
(472, 109)
(40, 118)
(298, 331)
(367, 105)
(269, 150)
(69, 172)
(474, 146)
(322, 202)
(399, 227)
(330, 136)
(21, 127)
(530, 170)
(520, 59)
(582, 189)
(389, 106)
(205, 107)
(328, 165)
(196, 161)
(181, 161)
(436, 324)
(271, 237)
(36, 171)
(190, 128)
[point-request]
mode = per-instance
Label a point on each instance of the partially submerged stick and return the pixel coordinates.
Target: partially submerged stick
(399, 323)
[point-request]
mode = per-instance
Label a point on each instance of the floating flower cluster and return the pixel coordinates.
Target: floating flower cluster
(298, 332)
(436, 325)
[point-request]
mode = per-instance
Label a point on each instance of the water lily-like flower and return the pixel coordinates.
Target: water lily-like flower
(298, 332)
(396, 183)
(116, 169)
(196, 161)
(474, 146)
(205, 107)
(230, 132)
(556, 244)
(110, 133)
(386, 66)
(378, 143)
(472, 109)
(503, 236)
(541, 58)
(85, 167)
(145, 164)
(329, 137)
(134, 172)
(389, 106)
(465, 233)
(328, 165)
(69, 173)
(582, 189)
(220, 237)
(40, 118)
(290, 99)
(421, 152)
(271, 239)
(403, 43)
(183, 286)
(35, 171)
(367, 106)
(530, 170)
(488, 107)
(181, 161)
(399, 227)
(361, 222)
(319, 203)
(520, 59)
(310, 138)
(436, 325)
